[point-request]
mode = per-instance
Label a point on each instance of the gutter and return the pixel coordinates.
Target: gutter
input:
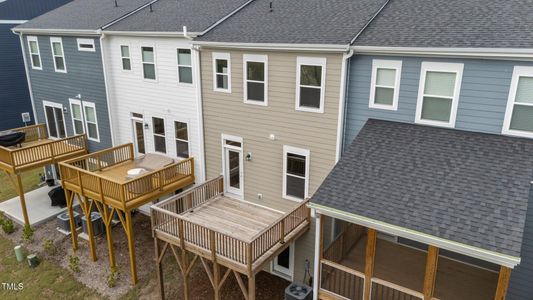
(471, 251)
(270, 46)
(154, 33)
(108, 98)
(76, 32)
(452, 52)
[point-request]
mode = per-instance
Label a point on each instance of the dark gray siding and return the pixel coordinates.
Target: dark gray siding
(482, 104)
(84, 76)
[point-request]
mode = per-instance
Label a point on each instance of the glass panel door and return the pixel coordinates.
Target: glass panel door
(56, 124)
(233, 176)
(138, 128)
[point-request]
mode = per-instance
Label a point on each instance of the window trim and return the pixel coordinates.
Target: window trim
(54, 105)
(287, 274)
(60, 41)
(154, 63)
(518, 71)
(385, 64)
(178, 65)
(310, 61)
(128, 57)
(255, 58)
(36, 40)
(221, 56)
(156, 134)
(76, 102)
(80, 41)
(188, 141)
(86, 121)
(297, 151)
(456, 68)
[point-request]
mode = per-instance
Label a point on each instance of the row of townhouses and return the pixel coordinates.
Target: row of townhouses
(407, 123)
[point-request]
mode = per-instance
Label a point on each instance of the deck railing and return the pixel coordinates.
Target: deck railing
(81, 175)
(342, 281)
(167, 218)
(384, 290)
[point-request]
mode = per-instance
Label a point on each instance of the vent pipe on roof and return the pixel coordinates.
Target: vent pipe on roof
(116, 4)
(151, 10)
(271, 9)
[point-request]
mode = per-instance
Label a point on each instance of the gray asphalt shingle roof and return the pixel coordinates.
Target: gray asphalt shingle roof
(172, 15)
(466, 187)
(83, 15)
(296, 22)
(452, 23)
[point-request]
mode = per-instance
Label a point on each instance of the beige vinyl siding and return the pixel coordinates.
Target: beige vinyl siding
(226, 113)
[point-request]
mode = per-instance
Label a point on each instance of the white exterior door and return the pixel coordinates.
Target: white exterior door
(233, 165)
(138, 137)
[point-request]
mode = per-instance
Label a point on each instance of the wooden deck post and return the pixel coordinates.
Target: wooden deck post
(69, 195)
(430, 276)
(251, 287)
(109, 234)
(87, 208)
(503, 283)
(369, 261)
(216, 267)
(131, 246)
(159, 267)
(319, 247)
(184, 260)
(20, 191)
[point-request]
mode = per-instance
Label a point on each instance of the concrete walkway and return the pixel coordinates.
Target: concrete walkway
(37, 205)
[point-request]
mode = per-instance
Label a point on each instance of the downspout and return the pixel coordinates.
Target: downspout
(345, 71)
(108, 98)
(199, 107)
(27, 75)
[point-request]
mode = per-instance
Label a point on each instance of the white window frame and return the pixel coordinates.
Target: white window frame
(310, 61)
(60, 41)
(159, 135)
(221, 56)
(56, 105)
(86, 121)
(456, 68)
(518, 71)
(188, 141)
(86, 42)
(225, 137)
(127, 57)
(178, 65)
(34, 39)
(154, 63)
(395, 65)
(73, 102)
(282, 271)
(297, 151)
(255, 58)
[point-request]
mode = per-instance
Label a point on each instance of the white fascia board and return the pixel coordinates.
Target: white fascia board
(273, 46)
(152, 33)
(55, 31)
(475, 252)
(516, 53)
(13, 21)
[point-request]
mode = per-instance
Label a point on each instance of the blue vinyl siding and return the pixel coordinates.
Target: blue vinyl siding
(84, 77)
(481, 108)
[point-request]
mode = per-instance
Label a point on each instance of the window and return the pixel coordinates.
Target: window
(311, 73)
(86, 45)
(35, 54)
(126, 58)
(438, 93)
(255, 79)
(182, 139)
(91, 123)
(148, 60)
(160, 144)
(283, 264)
(222, 72)
(184, 66)
(519, 114)
(55, 121)
(295, 173)
(58, 54)
(385, 84)
(77, 117)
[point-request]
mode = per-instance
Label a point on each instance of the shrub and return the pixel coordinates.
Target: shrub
(112, 277)
(27, 233)
(74, 263)
(7, 226)
(49, 247)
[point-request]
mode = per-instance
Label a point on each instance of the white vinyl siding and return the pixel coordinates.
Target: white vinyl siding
(86, 45)
(181, 134)
(519, 113)
(438, 95)
(148, 62)
(385, 84)
(295, 173)
(255, 79)
(58, 54)
(221, 72)
(311, 82)
(35, 53)
(184, 66)
(125, 57)
(76, 112)
(91, 122)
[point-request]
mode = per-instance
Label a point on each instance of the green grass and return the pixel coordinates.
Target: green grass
(46, 281)
(30, 181)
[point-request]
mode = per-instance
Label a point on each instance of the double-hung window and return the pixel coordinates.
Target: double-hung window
(91, 123)
(311, 79)
(58, 54)
(126, 58)
(295, 173)
(255, 79)
(221, 72)
(519, 114)
(160, 144)
(385, 84)
(438, 93)
(35, 54)
(184, 66)
(77, 116)
(182, 139)
(148, 61)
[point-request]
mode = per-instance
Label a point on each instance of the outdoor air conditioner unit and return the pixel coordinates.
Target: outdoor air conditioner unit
(98, 224)
(63, 221)
(298, 291)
